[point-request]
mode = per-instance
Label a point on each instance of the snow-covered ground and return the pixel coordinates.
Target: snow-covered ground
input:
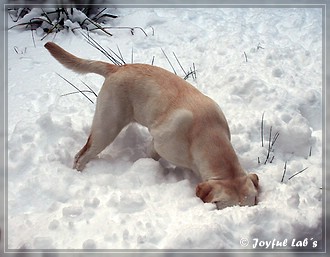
(250, 61)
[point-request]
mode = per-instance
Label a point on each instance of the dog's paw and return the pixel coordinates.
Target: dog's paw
(77, 164)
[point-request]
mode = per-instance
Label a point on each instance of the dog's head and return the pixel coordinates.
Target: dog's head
(242, 191)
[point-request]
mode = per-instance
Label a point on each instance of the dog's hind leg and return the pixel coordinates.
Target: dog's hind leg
(112, 114)
(96, 143)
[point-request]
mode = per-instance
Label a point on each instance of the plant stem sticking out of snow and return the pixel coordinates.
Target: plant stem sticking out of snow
(259, 47)
(271, 143)
(180, 65)
(78, 90)
(297, 173)
(114, 59)
(284, 172)
(168, 61)
(262, 129)
(246, 59)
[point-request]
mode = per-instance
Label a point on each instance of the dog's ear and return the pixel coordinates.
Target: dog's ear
(255, 179)
(203, 191)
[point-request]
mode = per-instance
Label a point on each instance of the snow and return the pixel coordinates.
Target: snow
(250, 61)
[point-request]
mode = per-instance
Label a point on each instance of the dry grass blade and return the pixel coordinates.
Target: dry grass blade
(119, 57)
(106, 15)
(77, 92)
(180, 65)
(262, 129)
(194, 71)
(80, 91)
(246, 59)
(169, 61)
(98, 26)
(271, 143)
(132, 29)
(19, 13)
(283, 173)
(297, 173)
(97, 46)
(90, 89)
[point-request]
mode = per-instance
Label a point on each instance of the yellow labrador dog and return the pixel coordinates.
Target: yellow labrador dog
(188, 128)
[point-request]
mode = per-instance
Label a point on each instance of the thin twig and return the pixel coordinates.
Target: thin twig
(135, 28)
(262, 129)
(269, 144)
(153, 30)
(168, 61)
(121, 60)
(99, 26)
(76, 88)
(277, 134)
(259, 47)
(297, 173)
(34, 42)
(194, 70)
(284, 172)
(96, 45)
(121, 56)
(77, 92)
(188, 74)
(95, 17)
(130, 28)
(105, 15)
(246, 59)
(46, 15)
(34, 21)
(91, 90)
(180, 64)
(23, 12)
(191, 72)
(51, 30)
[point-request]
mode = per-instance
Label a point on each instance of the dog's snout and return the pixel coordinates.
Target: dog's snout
(222, 204)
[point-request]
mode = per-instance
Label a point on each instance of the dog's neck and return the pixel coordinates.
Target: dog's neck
(223, 174)
(218, 162)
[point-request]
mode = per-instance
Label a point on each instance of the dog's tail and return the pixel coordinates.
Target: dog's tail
(80, 65)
